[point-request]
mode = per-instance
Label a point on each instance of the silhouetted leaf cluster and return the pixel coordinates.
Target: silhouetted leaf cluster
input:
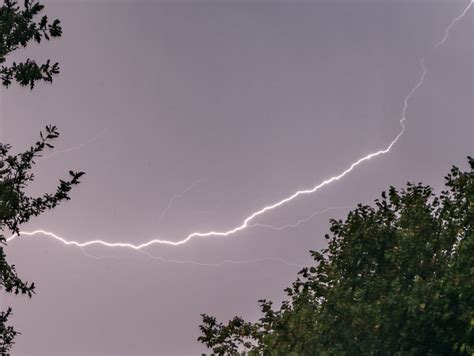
(395, 279)
(17, 208)
(18, 27)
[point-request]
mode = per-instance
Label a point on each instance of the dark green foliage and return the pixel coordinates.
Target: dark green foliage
(396, 279)
(18, 27)
(17, 208)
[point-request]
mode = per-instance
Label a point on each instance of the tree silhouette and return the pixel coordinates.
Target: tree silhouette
(395, 279)
(18, 27)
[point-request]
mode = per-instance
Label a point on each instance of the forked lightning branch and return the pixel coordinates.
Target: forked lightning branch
(248, 221)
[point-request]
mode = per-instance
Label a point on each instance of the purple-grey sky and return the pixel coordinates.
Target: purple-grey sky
(226, 106)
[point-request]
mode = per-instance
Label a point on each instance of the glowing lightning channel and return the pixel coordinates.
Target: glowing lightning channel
(74, 148)
(219, 264)
(301, 221)
(201, 264)
(175, 197)
(246, 223)
(446, 32)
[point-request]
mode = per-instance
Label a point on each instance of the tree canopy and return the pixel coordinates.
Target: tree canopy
(18, 27)
(395, 279)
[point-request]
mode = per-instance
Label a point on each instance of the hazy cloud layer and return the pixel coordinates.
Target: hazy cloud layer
(209, 111)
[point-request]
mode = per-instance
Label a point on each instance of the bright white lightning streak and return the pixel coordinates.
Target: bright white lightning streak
(446, 32)
(246, 222)
(218, 264)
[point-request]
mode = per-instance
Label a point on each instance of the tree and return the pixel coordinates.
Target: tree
(395, 279)
(18, 27)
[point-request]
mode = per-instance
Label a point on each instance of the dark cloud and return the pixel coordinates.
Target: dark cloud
(255, 100)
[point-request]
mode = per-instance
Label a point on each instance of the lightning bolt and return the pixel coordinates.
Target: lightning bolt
(301, 221)
(174, 197)
(97, 257)
(196, 263)
(247, 221)
(74, 148)
(450, 26)
(219, 264)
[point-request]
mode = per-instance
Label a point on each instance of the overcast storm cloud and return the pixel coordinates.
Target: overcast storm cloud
(244, 122)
